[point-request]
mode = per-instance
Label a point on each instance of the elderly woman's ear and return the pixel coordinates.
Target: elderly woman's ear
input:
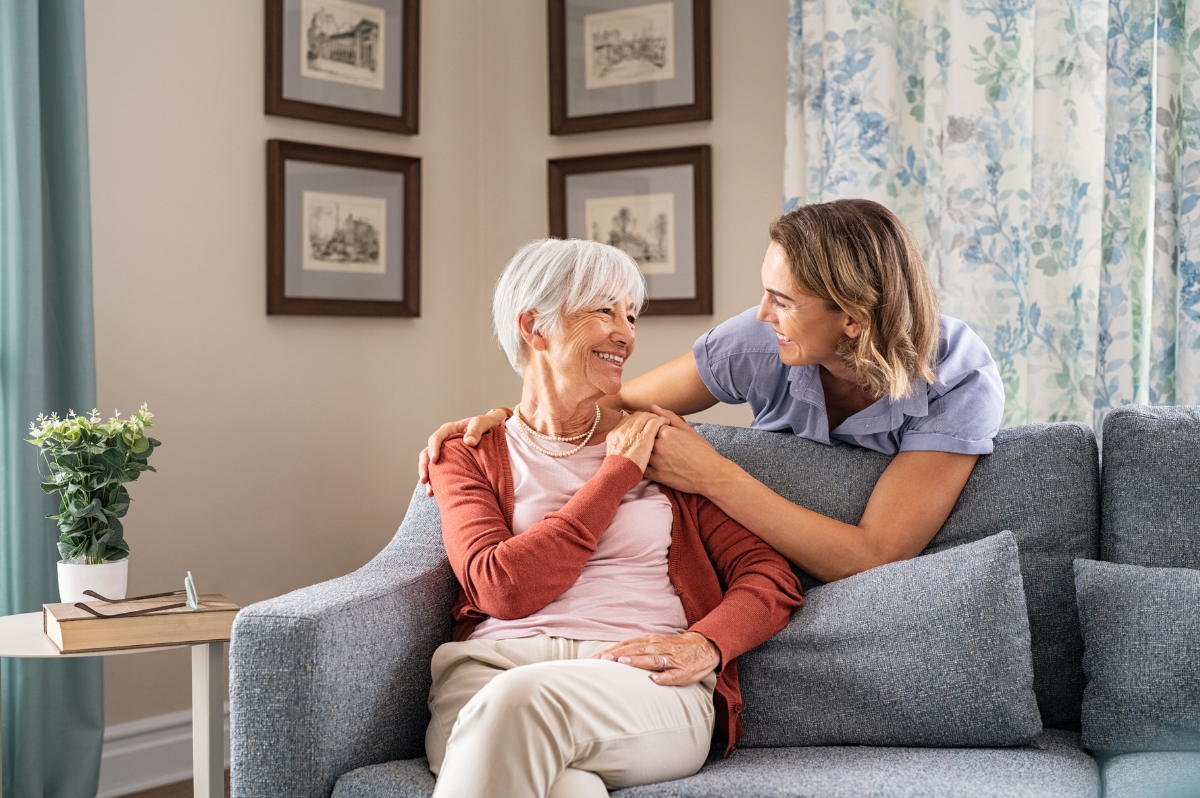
(532, 338)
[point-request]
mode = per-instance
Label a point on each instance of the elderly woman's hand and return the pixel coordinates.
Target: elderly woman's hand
(633, 437)
(674, 659)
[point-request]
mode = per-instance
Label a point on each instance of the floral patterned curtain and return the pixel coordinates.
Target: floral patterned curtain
(1046, 156)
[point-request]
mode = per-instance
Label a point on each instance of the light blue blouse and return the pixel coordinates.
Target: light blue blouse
(960, 412)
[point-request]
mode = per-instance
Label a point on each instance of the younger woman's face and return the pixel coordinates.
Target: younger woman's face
(806, 330)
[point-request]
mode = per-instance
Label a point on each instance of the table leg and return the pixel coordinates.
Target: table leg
(208, 733)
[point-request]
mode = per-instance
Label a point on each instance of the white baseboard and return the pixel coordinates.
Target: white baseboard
(149, 753)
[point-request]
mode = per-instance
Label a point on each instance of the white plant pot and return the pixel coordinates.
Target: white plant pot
(109, 579)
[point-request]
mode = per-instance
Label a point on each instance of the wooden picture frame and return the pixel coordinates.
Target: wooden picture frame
(345, 94)
(632, 98)
(657, 205)
(353, 206)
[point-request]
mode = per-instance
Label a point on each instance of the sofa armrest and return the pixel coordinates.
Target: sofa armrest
(335, 676)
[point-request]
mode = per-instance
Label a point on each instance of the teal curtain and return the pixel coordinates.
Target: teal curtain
(1046, 155)
(53, 709)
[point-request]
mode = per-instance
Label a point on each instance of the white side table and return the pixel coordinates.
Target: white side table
(22, 636)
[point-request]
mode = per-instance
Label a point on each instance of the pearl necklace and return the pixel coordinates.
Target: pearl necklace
(526, 430)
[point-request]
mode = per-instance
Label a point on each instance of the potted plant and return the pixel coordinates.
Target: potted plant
(89, 463)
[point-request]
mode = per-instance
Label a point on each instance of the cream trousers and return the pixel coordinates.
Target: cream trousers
(537, 716)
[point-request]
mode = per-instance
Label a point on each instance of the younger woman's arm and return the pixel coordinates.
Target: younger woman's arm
(675, 385)
(908, 505)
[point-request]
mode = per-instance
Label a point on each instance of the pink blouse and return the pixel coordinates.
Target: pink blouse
(624, 590)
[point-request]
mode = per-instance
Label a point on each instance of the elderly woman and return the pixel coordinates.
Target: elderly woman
(600, 615)
(847, 346)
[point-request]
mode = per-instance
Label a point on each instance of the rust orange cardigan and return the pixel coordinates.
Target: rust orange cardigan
(736, 590)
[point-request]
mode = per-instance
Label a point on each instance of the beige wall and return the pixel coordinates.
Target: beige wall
(290, 442)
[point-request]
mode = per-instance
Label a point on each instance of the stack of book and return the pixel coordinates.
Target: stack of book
(74, 630)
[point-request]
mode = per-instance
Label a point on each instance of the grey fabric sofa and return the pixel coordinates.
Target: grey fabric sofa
(328, 684)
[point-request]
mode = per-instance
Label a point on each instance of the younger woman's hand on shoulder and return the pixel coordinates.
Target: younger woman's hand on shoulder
(634, 437)
(472, 429)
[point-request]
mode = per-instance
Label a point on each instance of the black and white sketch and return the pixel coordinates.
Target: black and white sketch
(342, 42)
(630, 45)
(642, 225)
(344, 233)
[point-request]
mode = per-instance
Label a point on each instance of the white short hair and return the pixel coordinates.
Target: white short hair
(556, 278)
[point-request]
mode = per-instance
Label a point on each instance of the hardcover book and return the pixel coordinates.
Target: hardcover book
(73, 629)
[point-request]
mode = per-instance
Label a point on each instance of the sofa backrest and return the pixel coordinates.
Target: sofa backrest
(1041, 482)
(1150, 505)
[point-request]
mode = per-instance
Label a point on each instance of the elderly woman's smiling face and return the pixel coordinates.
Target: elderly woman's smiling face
(590, 349)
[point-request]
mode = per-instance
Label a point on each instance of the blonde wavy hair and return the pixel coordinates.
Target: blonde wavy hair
(858, 257)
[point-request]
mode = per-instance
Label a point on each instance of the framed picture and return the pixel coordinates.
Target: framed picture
(349, 62)
(628, 63)
(657, 206)
(343, 231)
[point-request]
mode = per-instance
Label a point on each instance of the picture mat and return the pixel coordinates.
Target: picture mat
(642, 239)
(677, 180)
(342, 95)
(325, 214)
(581, 101)
(345, 14)
(631, 25)
(301, 176)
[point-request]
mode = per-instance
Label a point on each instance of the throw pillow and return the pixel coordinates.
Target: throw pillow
(932, 651)
(1141, 637)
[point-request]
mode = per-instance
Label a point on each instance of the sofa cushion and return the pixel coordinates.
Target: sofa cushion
(1041, 482)
(1053, 765)
(407, 778)
(1150, 502)
(1172, 774)
(1141, 632)
(929, 651)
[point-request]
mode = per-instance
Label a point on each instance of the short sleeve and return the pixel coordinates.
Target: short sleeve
(729, 355)
(965, 404)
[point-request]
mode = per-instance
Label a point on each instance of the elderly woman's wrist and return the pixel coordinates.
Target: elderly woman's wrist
(701, 637)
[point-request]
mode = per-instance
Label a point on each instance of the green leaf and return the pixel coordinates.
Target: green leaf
(90, 510)
(140, 445)
(68, 522)
(113, 458)
(1037, 248)
(50, 487)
